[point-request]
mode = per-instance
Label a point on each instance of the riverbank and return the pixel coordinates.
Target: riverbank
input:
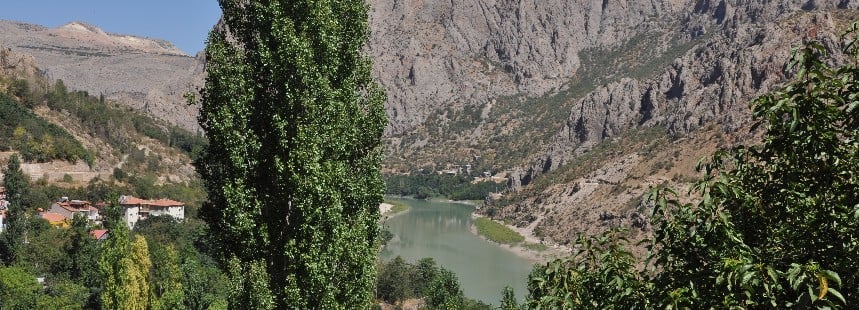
(531, 248)
(389, 209)
(440, 229)
(385, 208)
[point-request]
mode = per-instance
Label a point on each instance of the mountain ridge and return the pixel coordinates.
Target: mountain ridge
(150, 75)
(528, 90)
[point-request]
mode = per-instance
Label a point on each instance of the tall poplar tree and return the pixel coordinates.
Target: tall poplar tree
(17, 187)
(294, 122)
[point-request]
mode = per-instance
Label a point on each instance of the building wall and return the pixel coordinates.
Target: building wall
(131, 215)
(55, 208)
(176, 212)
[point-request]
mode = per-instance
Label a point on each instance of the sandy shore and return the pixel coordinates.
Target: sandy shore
(551, 253)
(385, 207)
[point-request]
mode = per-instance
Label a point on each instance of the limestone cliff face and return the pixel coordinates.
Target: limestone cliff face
(740, 52)
(431, 54)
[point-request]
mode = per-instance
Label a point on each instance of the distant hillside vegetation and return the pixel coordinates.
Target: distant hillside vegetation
(36, 139)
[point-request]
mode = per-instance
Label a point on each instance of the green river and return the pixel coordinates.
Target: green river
(441, 230)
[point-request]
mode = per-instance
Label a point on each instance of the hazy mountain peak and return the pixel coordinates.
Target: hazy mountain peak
(82, 27)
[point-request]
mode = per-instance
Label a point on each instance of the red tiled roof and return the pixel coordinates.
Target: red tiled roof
(131, 200)
(98, 233)
(53, 217)
(166, 203)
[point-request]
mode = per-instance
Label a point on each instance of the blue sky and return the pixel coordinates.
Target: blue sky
(186, 23)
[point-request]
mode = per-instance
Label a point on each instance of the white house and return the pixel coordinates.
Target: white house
(136, 209)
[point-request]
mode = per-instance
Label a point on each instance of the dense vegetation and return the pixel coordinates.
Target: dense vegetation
(34, 138)
(422, 185)
(115, 124)
(81, 272)
(773, 226)
(399, 280)
(294, 122)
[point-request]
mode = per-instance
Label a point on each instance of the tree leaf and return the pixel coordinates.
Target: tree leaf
(832, 275)
(838, 295)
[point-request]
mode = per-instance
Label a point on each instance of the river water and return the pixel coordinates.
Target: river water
(441, 230)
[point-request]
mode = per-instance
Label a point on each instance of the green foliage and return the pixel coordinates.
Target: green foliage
(497, 232)
(249, 286)
(394, 281)
(124, 267)
(64, 294)
(399, 280)
(292, 166)
(774, 226)
(508, 299)
(167, 292)
(17, 186)
(45, 250)
(426, 185)
(444, 292)
(600, 275)
(35, 138)
(18, 289)
(117, 125)
(204, 285)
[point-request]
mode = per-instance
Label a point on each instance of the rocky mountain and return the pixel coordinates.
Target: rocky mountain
(582, 104)
(147, 74)
(579, 104)
(123, 144)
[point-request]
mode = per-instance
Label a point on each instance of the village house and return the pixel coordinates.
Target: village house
(69, 208)
(135, 209)
(99, 234)
(55, 219)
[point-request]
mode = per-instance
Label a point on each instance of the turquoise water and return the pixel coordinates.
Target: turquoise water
(441, 230)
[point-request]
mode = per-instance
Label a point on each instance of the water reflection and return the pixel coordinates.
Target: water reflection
(441, 231)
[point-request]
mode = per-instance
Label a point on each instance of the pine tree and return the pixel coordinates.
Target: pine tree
(294, 122)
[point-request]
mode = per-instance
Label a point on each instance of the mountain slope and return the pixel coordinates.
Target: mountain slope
(579, 104)
(69, 136)
(147, 74)
(583, 105)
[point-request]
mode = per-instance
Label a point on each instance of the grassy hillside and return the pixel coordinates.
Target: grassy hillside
(36, 139)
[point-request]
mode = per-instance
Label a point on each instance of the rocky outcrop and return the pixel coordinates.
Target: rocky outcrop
(432, 54)
(741, 52)
(147, 74)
